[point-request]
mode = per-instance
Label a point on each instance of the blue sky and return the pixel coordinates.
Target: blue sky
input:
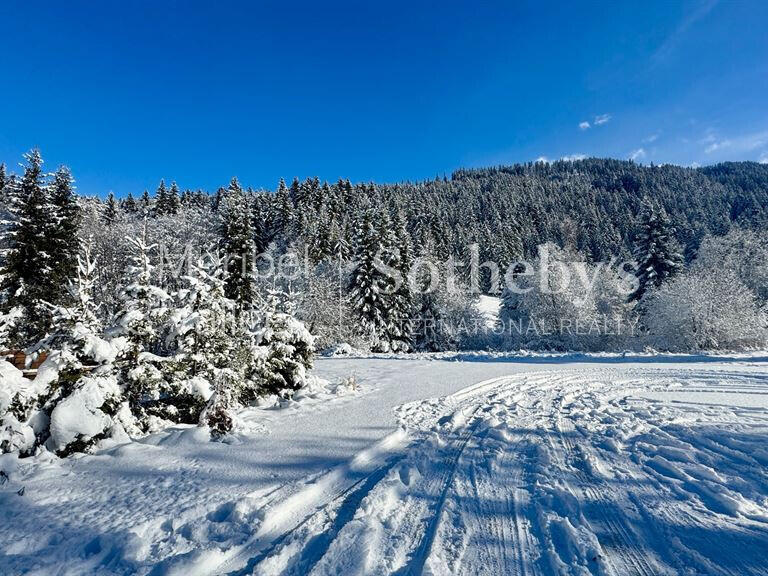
(127, 93)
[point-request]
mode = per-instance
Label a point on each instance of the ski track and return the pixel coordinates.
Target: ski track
(606, 470)
(552, 473)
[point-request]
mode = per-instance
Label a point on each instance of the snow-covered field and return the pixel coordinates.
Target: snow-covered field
(569, 465)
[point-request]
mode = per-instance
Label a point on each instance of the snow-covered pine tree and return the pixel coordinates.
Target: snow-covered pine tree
(144, 203)
(64, 239)
(217, 412)
(324, 196)
(77, 323)
(138, 324)
(656, 252)
(296, 192)
(238, 361)
(204, 325)
(261, 222)
(429, 334)
(303, 230)
(109, 215)
(173, 199)
(4, 198)
(142, 300)
(8, 326)
(237, 239)
(208, 340)
(319, 241)
(287, 348)
(81, 401)
(509, 243)
(161, 199)
(129, 204)
(27, 274)
(511, 311)
(284, 208)
(336, 203)
(337, 233)
(8, 217)
(369, 284)
(402, 240)
(305, 197)
(400, 258)
(216, 201)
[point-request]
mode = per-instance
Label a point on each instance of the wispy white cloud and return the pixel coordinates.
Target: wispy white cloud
(573, 157)
(736, 144)
(601, 119)
(638, 154)
(671, 42)
(543, 159)
(709, 136)
(598, 120)
(652, 138)
(763, 158)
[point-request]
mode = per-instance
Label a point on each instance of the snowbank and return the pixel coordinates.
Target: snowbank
(84, 414)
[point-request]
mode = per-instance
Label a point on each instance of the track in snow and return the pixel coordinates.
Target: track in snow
(567, 472)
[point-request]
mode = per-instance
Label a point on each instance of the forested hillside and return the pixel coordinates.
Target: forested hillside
(592, 205)
(183, 306)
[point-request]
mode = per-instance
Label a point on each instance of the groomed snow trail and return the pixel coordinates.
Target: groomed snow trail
(599, 471)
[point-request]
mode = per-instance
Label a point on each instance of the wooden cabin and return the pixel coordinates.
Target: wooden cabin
(19, 359)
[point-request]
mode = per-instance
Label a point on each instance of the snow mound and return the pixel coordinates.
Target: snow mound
(13, 382)
(84, 415)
